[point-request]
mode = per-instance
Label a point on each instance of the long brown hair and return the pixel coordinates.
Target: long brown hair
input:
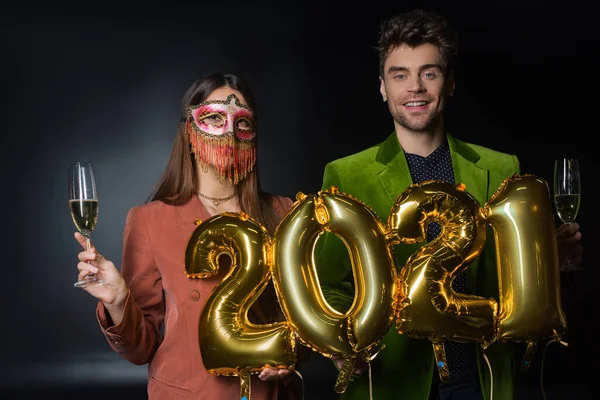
(177, 184)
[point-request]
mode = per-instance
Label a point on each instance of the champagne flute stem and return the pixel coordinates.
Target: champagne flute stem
(566, 261)
(91, 276)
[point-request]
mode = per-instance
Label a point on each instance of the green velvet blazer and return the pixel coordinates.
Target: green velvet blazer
(377, 176)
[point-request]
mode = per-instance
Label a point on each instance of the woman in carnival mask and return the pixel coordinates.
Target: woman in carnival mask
(149, 312)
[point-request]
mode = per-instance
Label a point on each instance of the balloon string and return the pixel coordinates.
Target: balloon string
(370, 374)
(542, 368)
(301, 381)
(487, 361)
(370, 382)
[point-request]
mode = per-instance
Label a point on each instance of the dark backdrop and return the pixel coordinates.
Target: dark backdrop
(102, 82)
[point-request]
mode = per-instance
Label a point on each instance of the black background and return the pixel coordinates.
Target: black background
(102, 82)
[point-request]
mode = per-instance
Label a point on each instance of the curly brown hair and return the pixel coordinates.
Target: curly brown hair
(415, 28)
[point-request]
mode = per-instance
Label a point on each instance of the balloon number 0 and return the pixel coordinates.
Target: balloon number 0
(419, 299)
(319, 326)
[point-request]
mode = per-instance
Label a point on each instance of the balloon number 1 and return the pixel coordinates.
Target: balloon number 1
(527, 258)
(419, 299)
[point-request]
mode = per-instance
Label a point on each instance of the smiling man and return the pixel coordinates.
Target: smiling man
(415, 82)
(417, 52)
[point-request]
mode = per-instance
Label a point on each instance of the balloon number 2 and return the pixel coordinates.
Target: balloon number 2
(427, 306)
(419, 299)
(230, 344)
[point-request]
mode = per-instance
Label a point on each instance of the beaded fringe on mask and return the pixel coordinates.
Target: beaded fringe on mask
(231, 158)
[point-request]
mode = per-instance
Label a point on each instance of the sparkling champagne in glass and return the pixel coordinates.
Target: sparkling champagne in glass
(567, 194)
(83, 204)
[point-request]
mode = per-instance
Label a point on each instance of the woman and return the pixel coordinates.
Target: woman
(149, 312)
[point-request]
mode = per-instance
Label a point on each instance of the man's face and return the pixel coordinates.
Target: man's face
(415, 86)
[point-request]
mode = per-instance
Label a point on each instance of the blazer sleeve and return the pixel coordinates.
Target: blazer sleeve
(331, 257)
(138, 335)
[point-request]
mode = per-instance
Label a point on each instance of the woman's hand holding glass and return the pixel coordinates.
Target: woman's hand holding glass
(113, 293)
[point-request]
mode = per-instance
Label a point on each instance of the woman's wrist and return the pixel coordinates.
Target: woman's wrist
(120, 299)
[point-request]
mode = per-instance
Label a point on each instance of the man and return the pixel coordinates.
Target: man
(417, 51)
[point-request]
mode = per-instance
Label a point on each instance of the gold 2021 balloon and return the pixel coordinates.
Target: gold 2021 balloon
(229, 343)
(427, 306)
(317, 324)
(520, 213)
(421, 297)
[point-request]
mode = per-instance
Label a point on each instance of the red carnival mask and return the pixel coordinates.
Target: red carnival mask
(222, 135)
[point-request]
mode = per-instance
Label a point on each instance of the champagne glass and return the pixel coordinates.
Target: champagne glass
(567, 194)
(83, 204)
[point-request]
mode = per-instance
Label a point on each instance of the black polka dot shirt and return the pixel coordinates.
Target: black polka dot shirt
(461, 357)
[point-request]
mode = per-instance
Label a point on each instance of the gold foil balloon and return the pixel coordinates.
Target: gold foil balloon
(520, 213)
(427, 306)
(420, 298)
(229, 343)
(319, 326)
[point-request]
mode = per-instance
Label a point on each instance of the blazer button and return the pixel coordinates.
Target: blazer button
(194, 295)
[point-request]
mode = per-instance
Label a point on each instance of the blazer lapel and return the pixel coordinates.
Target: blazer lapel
(394, 176)
(474, 177)
(190, 212)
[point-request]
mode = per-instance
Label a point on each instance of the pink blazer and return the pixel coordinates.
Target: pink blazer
(154, 242)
